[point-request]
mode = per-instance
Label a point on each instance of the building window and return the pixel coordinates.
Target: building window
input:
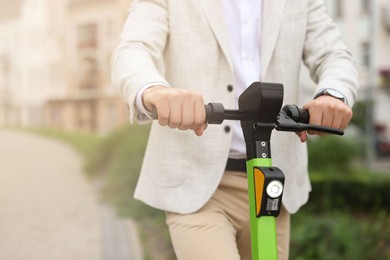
(111, 113)
(55, 114)
(4, 71)
(366, 7)
(365, 54)
(338, 7)
(385, 78)
(87, 36)
(88, 69)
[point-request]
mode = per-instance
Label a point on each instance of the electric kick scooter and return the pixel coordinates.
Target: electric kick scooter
(260, 113)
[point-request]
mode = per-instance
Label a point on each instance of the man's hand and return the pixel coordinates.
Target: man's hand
(177, 108)
(327, 111)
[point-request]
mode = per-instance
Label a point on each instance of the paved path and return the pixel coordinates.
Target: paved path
(48, 210)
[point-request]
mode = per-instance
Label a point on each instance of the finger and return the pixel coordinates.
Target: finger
(187, 116)
(327, 121)
(302, 136)
(337, 121)
(346, 118)
(200, 114)
(315, 119)
(162, 108)
(150, 96)
(201, 129)
(175, 110)
(327, 118)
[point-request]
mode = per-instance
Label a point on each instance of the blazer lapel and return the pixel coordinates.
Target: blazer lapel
(215, 17)
(272, 20)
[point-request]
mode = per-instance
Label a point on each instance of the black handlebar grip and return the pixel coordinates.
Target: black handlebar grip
(297, 114)
(214, 113)
(304, 116)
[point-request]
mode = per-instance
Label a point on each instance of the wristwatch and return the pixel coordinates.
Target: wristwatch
(333, 93)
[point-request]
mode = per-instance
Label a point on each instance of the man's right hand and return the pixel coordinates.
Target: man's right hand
(177, 108)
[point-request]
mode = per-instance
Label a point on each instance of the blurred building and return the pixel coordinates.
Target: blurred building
(54, 58)
(24, 61)
(365, 26)
(92, 30)
(54, 63)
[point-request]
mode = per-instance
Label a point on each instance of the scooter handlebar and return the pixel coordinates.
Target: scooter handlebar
(216, 114)
(291, 118)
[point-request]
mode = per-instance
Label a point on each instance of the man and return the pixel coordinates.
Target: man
(178, 55)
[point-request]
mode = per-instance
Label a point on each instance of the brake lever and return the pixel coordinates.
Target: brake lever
(285, 123)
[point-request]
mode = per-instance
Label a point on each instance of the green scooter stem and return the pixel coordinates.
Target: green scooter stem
(263, 229)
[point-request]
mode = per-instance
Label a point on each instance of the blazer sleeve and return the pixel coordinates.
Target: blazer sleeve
(330, 63)
(137, 60)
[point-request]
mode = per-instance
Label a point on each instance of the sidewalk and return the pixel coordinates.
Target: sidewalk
(48, 210)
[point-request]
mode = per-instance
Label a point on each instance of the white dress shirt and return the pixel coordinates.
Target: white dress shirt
(243, 24)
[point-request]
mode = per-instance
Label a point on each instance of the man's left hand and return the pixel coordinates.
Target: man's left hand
(327, 111)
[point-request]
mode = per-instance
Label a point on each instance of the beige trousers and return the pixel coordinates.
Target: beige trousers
(221, 230)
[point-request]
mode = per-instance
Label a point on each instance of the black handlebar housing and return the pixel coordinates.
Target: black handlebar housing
(262, 103)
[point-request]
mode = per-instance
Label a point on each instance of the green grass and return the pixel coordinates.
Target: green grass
(86, 143)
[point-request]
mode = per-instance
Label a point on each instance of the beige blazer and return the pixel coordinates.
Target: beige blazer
(184, 44)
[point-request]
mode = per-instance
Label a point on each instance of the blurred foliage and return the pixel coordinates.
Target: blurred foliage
(333, 154)
(118, 162)
(360, 191)
(340, 235)
(360, 112)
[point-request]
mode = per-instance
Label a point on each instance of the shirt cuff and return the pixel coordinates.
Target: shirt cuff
(144, 114)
